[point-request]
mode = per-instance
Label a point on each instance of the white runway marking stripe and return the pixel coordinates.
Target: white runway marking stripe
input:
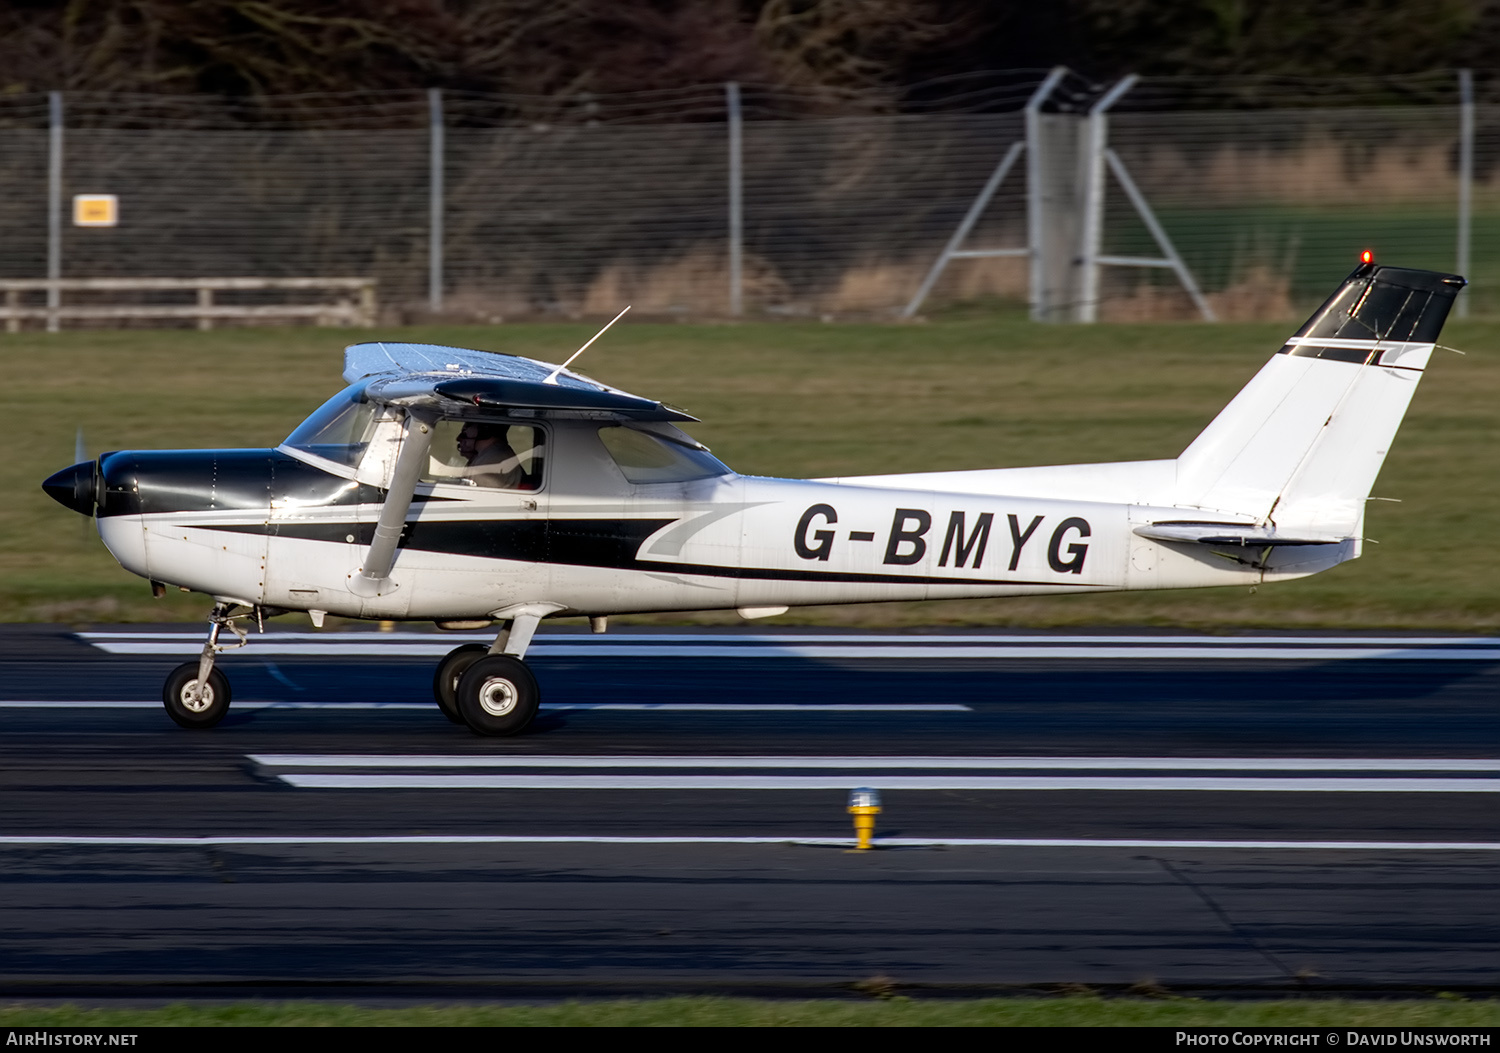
(114, 841)
(437, 772)
(1140, 652)
(630, 707)
(811, 646)
(420, 760)
(235, 708)
(847, 638)
(769, 707)
(322, 781)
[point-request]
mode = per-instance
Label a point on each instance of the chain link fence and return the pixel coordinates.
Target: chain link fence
(508, 207)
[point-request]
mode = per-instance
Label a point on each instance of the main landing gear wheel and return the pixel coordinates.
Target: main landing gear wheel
(206, 710)
(445, 680)
(497, 695)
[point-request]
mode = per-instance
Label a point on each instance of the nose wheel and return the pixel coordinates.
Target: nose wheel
(196, 694)
(192, 706)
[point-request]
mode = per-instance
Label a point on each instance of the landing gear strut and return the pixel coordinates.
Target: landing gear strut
(495, 693)
(196, 694)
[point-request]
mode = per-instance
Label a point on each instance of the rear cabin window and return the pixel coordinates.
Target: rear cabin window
(645, 458)
(493, 454)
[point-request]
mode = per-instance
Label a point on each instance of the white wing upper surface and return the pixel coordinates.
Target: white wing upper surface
(431, 373)
(382, 357)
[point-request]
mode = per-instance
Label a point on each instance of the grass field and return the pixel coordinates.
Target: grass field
(1440, 1011)
(973, 390)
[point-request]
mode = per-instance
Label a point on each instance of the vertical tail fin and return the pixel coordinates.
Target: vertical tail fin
(1301, 445)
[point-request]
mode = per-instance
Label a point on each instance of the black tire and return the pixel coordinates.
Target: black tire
(497, 695)
(211, 709)
(445, 679)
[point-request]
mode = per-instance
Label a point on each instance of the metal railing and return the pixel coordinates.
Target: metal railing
(352, 301)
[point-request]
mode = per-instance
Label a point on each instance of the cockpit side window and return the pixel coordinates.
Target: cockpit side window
(496, 454)
(340, 429)
(653, 458)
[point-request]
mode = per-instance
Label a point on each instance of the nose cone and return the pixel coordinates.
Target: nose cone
(73, 488)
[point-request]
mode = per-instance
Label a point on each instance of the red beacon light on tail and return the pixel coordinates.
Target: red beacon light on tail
(1367, 257)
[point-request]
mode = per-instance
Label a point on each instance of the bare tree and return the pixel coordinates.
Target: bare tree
(552, 47)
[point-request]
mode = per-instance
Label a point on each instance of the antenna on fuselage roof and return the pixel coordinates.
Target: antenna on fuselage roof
(553, 378)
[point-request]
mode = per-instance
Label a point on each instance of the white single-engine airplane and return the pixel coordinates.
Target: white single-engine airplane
(470, 487)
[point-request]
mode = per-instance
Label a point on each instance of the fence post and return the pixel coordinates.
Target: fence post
(367, 304)
(1158, 232)
(951, 251)
(736, 198)
(1096, 133)
(1036, 189)
(1465, 176)
(54, 207)
(435, 200)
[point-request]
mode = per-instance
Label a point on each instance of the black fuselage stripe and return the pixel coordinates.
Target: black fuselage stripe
(604, 544)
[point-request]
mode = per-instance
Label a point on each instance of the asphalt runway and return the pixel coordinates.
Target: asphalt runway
(1250, 814)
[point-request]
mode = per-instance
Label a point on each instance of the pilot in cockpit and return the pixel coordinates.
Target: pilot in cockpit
(485, 446)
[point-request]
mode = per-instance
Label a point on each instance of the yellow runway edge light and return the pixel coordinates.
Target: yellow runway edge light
(864, 805)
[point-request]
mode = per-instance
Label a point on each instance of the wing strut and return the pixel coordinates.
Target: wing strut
(373, 579)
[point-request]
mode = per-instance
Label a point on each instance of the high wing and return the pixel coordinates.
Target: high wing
(428, 379)
(422, 376)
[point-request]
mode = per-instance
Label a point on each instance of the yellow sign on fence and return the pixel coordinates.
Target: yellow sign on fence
(95, 210)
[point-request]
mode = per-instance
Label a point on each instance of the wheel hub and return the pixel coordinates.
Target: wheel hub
(498, 697)
(195, 701)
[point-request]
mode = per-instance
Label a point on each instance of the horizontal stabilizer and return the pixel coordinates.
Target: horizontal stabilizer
(1243, 534)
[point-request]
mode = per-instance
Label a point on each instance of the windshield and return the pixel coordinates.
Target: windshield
(340, 428)
(644, 458)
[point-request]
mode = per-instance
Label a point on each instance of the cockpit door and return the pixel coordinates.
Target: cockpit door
(479, 515)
